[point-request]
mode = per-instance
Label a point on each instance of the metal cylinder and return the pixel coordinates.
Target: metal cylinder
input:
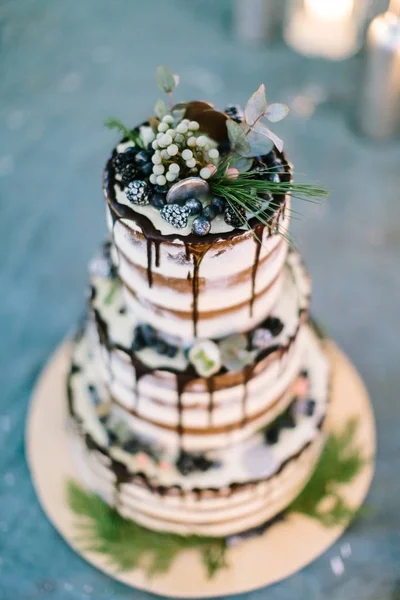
(379, 106)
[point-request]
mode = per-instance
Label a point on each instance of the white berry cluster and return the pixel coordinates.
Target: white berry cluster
(180, 148)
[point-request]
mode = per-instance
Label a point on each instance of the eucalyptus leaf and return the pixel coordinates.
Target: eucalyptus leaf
(259, 144)
(262, 130)
(276, 112)
(177, 80)
(237, 138)
(165, 79)
(161, 109)
(241, 163)
(256, 106)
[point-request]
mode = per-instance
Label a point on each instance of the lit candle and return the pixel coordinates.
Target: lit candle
(328, 28)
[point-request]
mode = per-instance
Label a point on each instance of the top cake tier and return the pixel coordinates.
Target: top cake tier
(187, 285)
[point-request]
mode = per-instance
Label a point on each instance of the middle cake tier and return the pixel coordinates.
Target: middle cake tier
(161, 394)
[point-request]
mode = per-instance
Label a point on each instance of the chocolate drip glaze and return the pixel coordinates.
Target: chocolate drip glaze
(197, 252)
(210, 388)
(258, 236)
(247, 375)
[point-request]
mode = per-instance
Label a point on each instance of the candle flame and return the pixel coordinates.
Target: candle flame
(330, 10)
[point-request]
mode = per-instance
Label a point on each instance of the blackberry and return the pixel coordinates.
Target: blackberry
(138, 192)
(201, 226)
(175, 215)
(194, 206)
(128, 174)
(274, 324)
(219, 204)
(157, 200)
(235, 216)
(188, 463)
(124, 159)
(209, 212)
(234, 112)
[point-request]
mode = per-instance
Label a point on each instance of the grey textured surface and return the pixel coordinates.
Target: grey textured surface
(65, 67)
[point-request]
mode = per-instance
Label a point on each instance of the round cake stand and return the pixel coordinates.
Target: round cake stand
(282, 550)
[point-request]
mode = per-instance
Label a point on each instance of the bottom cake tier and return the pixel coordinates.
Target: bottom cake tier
(217, 493)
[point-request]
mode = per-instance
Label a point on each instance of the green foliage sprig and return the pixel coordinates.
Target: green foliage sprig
(340, 463)
(128, 545)
(130, 134)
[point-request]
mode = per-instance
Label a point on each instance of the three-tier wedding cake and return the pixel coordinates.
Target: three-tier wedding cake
(198, 389)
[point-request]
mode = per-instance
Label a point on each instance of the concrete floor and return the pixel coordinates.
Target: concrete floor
(64, 68)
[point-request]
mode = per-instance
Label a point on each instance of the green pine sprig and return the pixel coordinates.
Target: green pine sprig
(131, 134)
(249, 192)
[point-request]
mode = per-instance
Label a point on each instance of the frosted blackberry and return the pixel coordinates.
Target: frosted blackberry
(128, 174)
(138, 192)
(175, 214)
(234, 112)
(235, 216)
(124, 159)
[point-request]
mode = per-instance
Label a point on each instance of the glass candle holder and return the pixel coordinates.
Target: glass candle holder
(330, 29)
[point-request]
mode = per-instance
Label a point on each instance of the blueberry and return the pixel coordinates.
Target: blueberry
(161, 347)
(310, 407)
(274, 177)
(195, 206)
(288, 421)
(304, 373)
(219, 204)
(209, 212)
(147, 169)
(149, 335)
(171, 351)
(132, 445)
(157, 200)
(161, 189)
(201, 226)
(142, 157)
(271, 435)
(138, 342)
(276, 166)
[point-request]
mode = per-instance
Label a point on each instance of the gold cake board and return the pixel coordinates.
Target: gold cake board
(283, 549)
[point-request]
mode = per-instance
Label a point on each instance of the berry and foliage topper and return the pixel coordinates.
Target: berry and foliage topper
(197, 164)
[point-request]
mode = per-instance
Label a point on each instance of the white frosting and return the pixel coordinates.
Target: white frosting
(225, 279)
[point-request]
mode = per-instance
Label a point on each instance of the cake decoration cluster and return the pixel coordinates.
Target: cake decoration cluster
(196, 165)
